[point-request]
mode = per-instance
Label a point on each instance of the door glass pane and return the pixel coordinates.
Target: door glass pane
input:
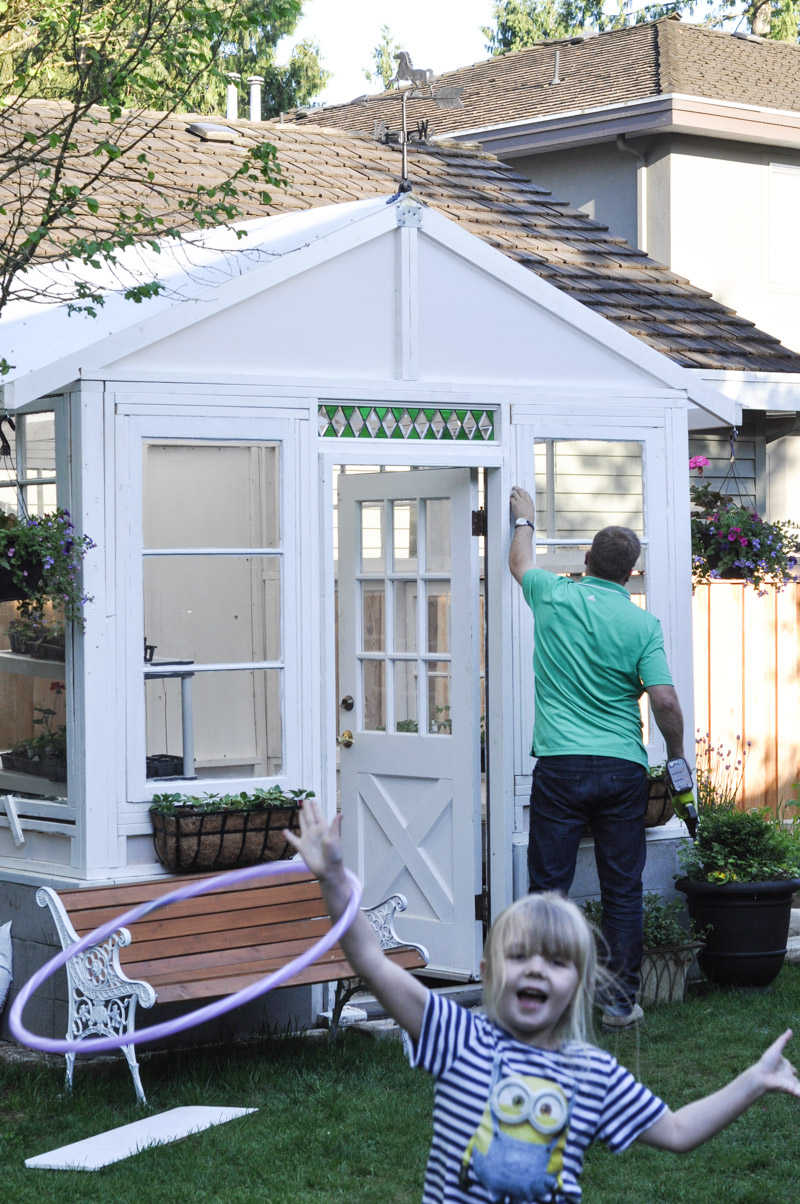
(404, 537)
(211, 495)
(233, 718)
(437, 535)
(438, 594)
(373, 557)
(439, 720)
(405, 696)
(405, 616)
(373, 684)
(373, 617)
(213, 609)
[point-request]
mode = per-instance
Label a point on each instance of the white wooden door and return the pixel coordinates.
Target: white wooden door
(409, 672)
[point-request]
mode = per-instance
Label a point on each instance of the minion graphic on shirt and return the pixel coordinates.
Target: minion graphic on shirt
(516, 1153)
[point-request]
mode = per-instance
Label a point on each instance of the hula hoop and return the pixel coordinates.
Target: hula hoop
(210, 1011)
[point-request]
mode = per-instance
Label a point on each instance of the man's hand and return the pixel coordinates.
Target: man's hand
(522, 504)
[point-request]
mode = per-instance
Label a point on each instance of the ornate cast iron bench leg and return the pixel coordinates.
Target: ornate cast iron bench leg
(102, 1000)
(381, 917)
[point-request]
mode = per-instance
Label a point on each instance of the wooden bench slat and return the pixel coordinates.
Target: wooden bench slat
(162, 924)
(113, 900)
(276, 936)
(319, 972)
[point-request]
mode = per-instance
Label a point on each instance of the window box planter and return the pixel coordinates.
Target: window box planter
(224, 832)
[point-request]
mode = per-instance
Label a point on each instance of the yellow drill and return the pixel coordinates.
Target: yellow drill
(679, 781)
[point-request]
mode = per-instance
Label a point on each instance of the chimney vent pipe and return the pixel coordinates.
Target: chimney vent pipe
(255, 82)
(232, 97)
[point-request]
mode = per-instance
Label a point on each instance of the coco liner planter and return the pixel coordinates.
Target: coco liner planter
(190, 839)
(745, 927)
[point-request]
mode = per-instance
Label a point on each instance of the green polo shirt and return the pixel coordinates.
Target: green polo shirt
(595, 652)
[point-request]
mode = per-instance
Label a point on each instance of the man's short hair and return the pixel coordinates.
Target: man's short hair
(613, 553)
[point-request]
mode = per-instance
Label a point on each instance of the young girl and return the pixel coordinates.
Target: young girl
(520, 1094)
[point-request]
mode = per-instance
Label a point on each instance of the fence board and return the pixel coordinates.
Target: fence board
(747, 682)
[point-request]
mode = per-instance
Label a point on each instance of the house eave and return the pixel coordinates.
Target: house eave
(768, 392)
(673, 113)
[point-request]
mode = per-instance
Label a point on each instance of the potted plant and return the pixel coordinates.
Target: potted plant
(732, 542)
(45, 754)
(740, 874)
(40, 563)
(39, 636)
(222, 831)
(670, 947)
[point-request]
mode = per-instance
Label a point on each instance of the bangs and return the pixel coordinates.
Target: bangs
(546, 924)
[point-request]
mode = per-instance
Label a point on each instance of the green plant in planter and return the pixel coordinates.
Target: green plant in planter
(43, 556)
(670, 947)
(740, 846)
(275, 796)
(662, 921)
(741, 873)
(221, 831)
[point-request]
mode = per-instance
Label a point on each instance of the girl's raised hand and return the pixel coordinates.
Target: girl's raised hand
(319, 843)
(777, 1072)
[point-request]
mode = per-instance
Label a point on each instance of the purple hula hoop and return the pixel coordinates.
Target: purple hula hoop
(169, 1028)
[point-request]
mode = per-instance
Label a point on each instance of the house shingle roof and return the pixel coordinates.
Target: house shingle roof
(481, 194)
(637, 62)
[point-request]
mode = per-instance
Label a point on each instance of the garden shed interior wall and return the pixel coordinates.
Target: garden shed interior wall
(383, 303)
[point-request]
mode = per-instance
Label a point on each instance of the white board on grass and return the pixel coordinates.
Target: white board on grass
(105, 1148)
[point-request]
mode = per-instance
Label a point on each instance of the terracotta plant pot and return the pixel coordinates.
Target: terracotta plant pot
(189, 839)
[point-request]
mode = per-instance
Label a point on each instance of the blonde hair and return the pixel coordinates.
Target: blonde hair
(553, 926)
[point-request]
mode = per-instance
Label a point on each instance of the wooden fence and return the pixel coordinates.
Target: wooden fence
(747, 683)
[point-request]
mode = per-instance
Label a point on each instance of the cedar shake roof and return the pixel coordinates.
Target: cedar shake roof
(637, 62)
(481, 194)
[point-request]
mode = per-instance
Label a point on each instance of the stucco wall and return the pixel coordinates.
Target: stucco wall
(720, 231)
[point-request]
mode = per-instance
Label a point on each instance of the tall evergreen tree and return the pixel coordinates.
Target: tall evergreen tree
(520, 23)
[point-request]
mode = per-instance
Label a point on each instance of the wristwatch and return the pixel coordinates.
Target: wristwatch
(524, 522)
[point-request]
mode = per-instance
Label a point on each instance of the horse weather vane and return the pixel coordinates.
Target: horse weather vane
(417, 79)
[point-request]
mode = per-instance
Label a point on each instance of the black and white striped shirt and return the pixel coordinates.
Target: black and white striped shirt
(461, 1049)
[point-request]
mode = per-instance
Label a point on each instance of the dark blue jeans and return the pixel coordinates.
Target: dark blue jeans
(610, 796)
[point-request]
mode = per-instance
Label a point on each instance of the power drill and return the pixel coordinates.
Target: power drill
(679, 783)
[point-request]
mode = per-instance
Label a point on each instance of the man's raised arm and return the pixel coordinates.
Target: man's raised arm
(520, 555)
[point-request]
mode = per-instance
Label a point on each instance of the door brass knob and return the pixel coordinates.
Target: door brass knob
(346, 739)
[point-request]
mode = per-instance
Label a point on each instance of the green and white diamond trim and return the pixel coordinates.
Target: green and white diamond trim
(339, 421)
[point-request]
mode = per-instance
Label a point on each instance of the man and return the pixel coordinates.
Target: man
(595, 654)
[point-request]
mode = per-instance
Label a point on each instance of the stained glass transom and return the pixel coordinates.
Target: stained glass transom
(339, 421)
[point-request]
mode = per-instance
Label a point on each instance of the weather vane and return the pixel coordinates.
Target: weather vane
(419, 78)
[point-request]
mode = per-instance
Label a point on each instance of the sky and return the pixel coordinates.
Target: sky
(441, 34)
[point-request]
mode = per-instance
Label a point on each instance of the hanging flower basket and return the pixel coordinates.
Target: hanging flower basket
(40, 563)
(221, 832)
(731, 542)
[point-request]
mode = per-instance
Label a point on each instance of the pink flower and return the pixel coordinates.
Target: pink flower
(698, 462)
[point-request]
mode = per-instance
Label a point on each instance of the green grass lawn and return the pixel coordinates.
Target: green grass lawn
(352, 1123)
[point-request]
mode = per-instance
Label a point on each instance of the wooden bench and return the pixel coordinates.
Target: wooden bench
(200, 949)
